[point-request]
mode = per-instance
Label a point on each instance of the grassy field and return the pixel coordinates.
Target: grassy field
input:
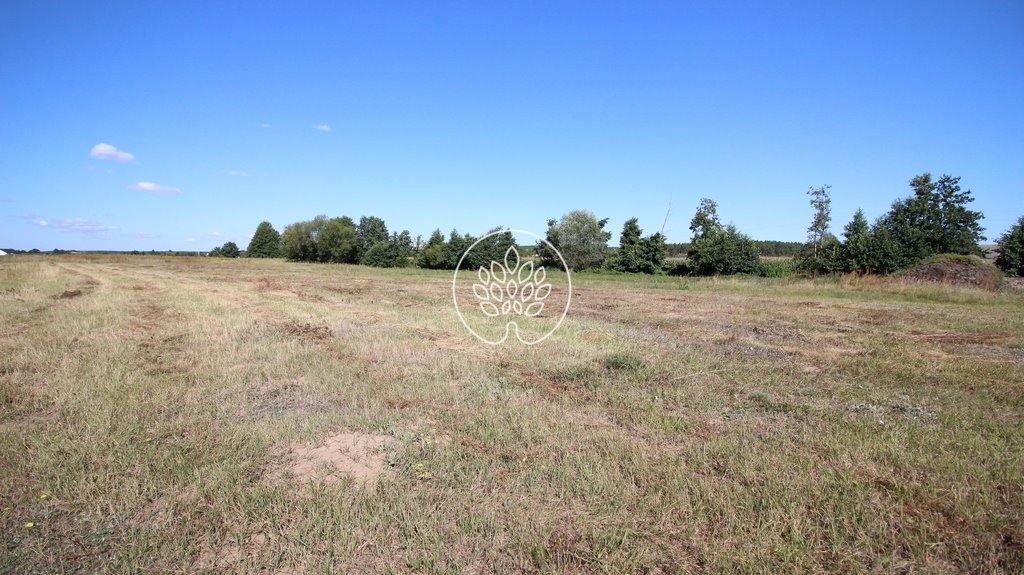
(187, 414)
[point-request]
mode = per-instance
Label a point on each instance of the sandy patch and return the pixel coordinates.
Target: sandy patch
(356, 456)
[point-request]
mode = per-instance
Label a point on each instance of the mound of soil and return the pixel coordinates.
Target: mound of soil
(983, 276)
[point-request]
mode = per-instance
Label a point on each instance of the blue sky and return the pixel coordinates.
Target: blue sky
(477, 114)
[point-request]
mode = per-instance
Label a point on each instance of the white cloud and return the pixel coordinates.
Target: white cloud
(264, 125)
(156, 189)
(76, 225)
(107, 152)
(215, 234)
(190, 240)
(322, 127)
(238, 174)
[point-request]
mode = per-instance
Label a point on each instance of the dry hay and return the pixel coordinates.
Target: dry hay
(946, 337)
(307, 331)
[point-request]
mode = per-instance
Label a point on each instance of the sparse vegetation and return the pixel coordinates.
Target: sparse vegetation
(289, 417)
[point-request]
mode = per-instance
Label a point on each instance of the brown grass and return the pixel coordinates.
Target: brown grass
(200, 414)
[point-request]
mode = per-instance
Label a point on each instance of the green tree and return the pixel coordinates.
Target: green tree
(885, 253)
(406, 250)
(265, 243)
(629, 258)
(1011, 250)
(382, 255)
(636, 253)
(371, 230)
(817, 232)
(229, 250)
(491, 248)
(431, 254)
(455, 248)
(394, 252)
(855, 251)
(338, 242)
(934, 220)
(718, 250)
(821, 254)
(705, 220)
(653, 251)
(581, 239)
(299, 240)
(722, 252)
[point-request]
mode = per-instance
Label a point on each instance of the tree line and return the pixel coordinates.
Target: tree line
(934, 219)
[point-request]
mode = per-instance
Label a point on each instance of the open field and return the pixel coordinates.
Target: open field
(191, 414)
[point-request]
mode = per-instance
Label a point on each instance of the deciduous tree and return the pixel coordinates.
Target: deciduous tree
(581, 239)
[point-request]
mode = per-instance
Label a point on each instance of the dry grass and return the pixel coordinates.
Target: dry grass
(188, 414)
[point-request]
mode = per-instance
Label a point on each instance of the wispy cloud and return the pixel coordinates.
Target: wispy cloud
(264, 125)
(238, 173)
(190, 240)
(139, 235)
(215, 235)
(155, 189)
(76, 225)
(322, 127)
(107, 152)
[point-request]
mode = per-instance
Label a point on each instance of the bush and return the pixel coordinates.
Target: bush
(384, 255)
(723, 251)
(228, 250)
(681, 268)
(431, 256)
(1011, 250)
(825, 258)
(777, 267)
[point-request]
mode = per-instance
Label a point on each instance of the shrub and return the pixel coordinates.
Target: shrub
(722, 252)
(383, 255)
(777, 267)
(1011, 250)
